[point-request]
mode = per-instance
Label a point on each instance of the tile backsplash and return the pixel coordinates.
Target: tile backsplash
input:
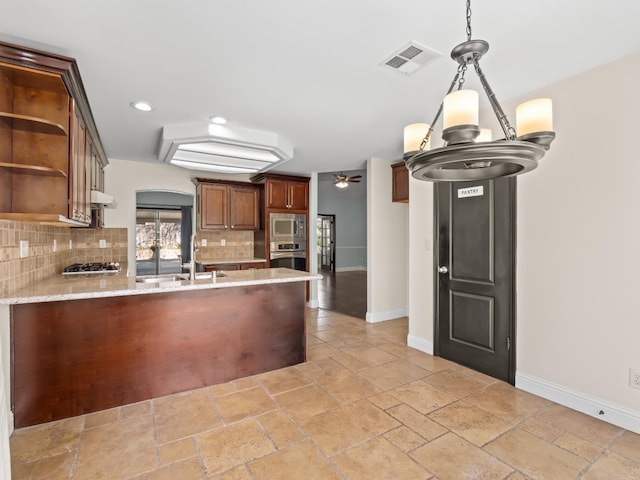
(50, 251)
(238, 245)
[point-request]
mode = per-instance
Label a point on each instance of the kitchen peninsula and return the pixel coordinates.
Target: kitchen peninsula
(90, 343)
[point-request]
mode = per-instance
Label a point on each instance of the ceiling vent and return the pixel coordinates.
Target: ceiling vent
(410, 58)
(222, 149)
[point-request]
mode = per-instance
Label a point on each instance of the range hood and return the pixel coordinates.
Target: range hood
(100, 200)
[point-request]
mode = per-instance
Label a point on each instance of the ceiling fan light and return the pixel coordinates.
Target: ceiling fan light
(342, 184)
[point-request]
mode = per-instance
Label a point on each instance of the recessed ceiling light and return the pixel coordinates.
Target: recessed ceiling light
(218, 120)
(142, 106)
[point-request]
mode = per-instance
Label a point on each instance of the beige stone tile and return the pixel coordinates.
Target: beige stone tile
(33, 443)
(393, 374)
(535, 457)
(282, 430)
(243, 404)
(233, 445)
(306, 402)
(613, 467)
(176, 451)
(471, 423)
(384, 400)
(455, 382)
(517, 476)
(183, 415)
(507, 402)
(405, 439)
(189, 469)
(541, 429)
(628, 445)
(372, 356)
(378, 458)
(481, 377)
(101, 418)
(313, 340)
(417, 422)
(135, 410)
(398, 349)
(318, 352)
(453, 458)
(346, 426)
(283, 380)
(584, 449)
(117, 450)
(429, 362)
(581, 425)
(57, 467)
(350, 362)
(294, 463)
(245, 383)
(422, 397)
(237, 473)
(223, 389)
(344, 385)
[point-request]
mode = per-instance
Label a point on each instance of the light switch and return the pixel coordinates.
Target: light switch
(24, 248)
(55, 245)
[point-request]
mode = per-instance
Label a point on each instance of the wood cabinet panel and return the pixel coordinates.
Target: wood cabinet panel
(288, 194)
(48, 135)
(80, 356)
(227, 205)
(400, 183)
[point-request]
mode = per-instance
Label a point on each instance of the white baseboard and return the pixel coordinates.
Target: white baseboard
(313, 303)
(351, 269)
(612, 413)
(421, 344)
(384, 316)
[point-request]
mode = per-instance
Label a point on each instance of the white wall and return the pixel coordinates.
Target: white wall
(421, 267)
(387, 246)
(578, 249)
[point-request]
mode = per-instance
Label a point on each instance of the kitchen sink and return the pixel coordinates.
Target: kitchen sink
(161, 278)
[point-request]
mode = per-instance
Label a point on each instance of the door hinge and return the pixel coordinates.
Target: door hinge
(508, 343)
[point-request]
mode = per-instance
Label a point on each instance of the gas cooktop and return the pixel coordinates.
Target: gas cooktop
(95, 267)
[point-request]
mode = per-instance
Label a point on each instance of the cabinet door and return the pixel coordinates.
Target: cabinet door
(253, 266)
(400, 186)
(77, 182)
(244, 208)
(213, 207)
(216, 267)
(298, 196)
(277, 194)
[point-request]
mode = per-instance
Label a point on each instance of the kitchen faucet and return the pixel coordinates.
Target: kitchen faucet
(192, 262)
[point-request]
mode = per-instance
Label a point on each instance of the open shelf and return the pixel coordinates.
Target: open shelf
(32, 124)
(33, 169)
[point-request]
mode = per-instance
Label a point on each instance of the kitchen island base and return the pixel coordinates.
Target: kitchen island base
(74, 357)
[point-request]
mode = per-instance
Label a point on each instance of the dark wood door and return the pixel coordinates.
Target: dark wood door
(475, 323)
(277, 193)
(298, 196)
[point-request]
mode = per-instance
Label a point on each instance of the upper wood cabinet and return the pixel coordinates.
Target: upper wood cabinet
(47, 138)
(284, 192)
(227, 205)
(400, 183)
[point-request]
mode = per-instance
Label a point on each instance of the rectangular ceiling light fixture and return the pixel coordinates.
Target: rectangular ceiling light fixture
(222, 148)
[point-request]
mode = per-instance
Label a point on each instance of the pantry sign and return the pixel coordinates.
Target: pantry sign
(471, 192)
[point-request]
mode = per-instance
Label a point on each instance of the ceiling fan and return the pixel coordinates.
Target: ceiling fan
(342, 180)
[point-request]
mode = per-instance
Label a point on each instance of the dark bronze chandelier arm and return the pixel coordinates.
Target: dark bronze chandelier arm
(509, 132)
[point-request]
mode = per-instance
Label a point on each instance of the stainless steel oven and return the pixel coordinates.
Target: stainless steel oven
(288, 254)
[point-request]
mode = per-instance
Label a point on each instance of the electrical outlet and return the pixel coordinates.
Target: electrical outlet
(24, 248)
(634, 377)
(203, 242)
(223, 242)
(103, 243)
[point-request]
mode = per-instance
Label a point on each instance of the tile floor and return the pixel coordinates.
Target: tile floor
(364, 406)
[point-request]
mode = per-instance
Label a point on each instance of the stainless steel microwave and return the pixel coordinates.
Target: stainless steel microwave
(287, 226)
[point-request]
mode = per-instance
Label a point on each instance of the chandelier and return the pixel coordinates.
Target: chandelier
(469, 152)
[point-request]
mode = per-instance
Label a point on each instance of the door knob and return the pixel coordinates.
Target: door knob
(443, 269)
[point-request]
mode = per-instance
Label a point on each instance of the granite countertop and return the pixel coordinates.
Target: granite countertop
(209, 261)
(72, 287)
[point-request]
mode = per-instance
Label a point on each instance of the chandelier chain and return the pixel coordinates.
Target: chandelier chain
(468, 20)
